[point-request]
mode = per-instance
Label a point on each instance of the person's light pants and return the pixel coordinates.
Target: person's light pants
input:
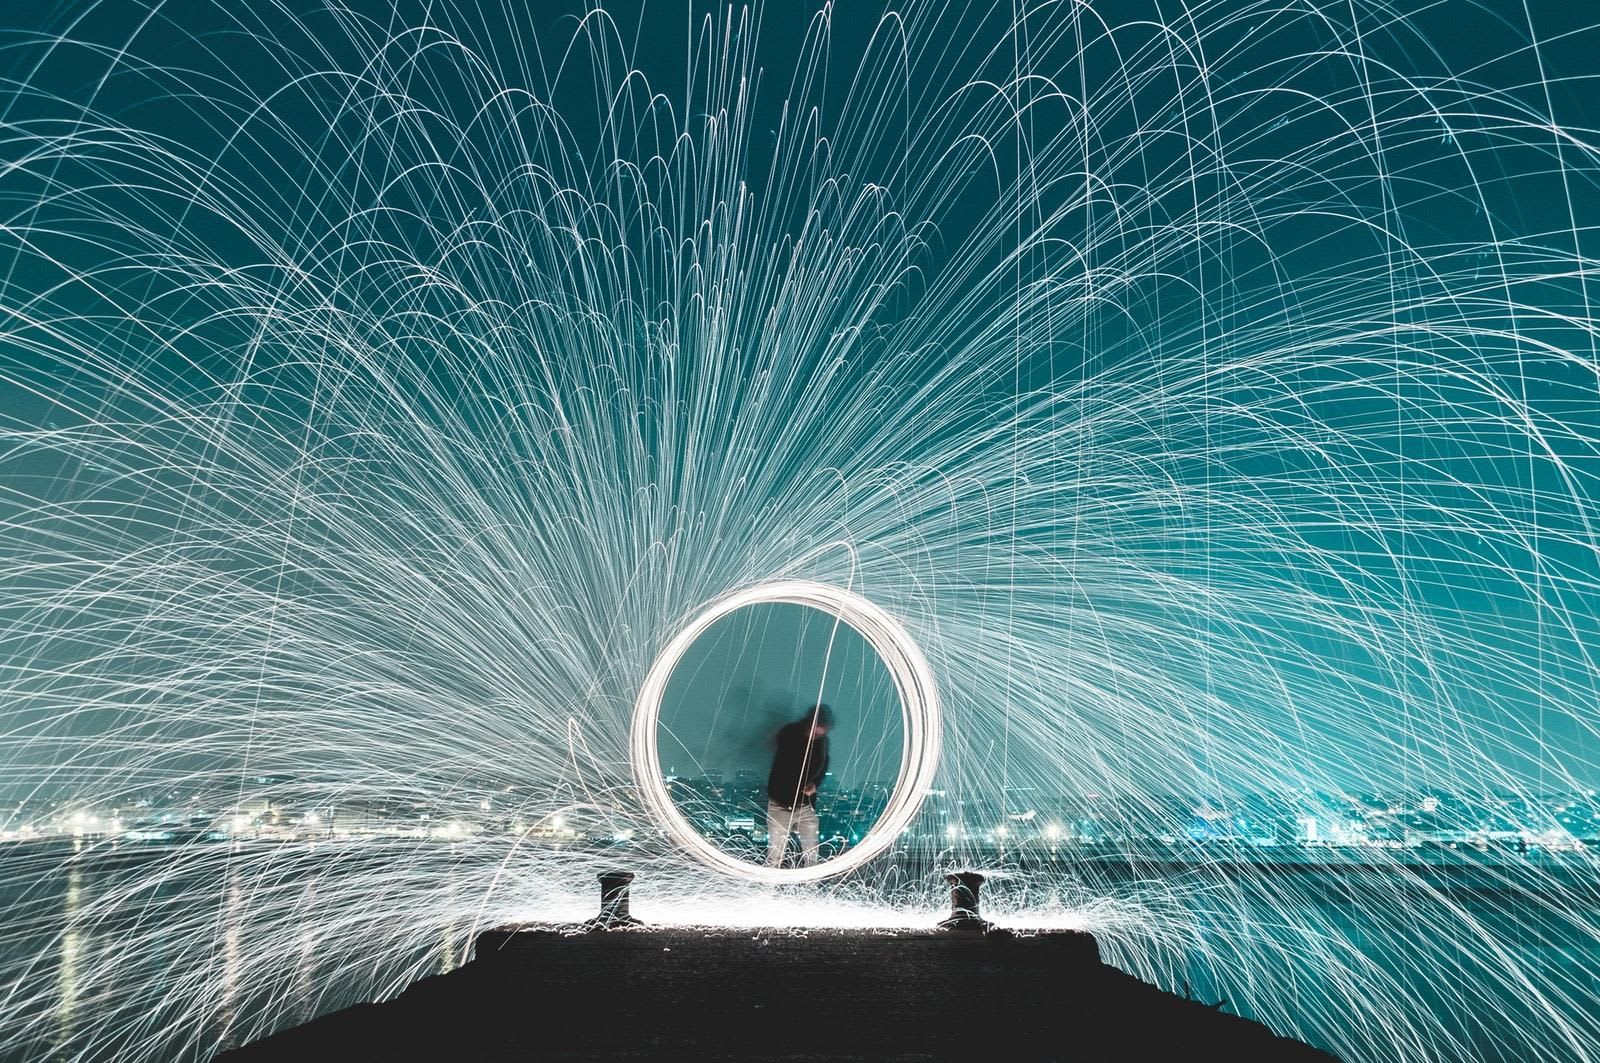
(802, 820)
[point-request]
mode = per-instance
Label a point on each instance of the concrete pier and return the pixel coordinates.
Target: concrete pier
(611, 989)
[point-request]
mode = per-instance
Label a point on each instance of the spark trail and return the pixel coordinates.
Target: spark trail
(1212, 395)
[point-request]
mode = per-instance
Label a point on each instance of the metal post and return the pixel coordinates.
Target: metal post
(614, 901)
(964, 886)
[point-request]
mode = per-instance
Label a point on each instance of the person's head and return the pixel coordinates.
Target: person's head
(820, 717)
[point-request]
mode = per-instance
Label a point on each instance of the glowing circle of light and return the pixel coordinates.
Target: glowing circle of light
(919, 708)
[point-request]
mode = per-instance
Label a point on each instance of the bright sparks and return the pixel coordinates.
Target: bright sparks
(1207, 392)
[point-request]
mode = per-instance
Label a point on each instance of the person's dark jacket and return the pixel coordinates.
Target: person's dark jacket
(800, 761)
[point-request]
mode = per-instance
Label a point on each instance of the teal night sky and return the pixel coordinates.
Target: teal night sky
(379, 389)
(762, 667)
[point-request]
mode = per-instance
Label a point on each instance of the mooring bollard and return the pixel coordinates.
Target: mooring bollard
(964, 886)
(614, 901)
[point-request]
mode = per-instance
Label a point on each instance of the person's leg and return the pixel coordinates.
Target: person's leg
(778, 819)
(805, 825)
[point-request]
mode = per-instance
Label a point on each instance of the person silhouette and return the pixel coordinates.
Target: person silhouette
(799, 764)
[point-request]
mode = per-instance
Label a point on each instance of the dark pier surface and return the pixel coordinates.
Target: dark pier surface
(967, 992)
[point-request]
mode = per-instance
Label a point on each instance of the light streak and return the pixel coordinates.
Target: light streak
(1209, 392)
(919, 711)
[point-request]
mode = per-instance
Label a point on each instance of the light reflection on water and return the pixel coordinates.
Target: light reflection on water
(69, 922)
(204, 945)
(66, 1008)
(227, 1008)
